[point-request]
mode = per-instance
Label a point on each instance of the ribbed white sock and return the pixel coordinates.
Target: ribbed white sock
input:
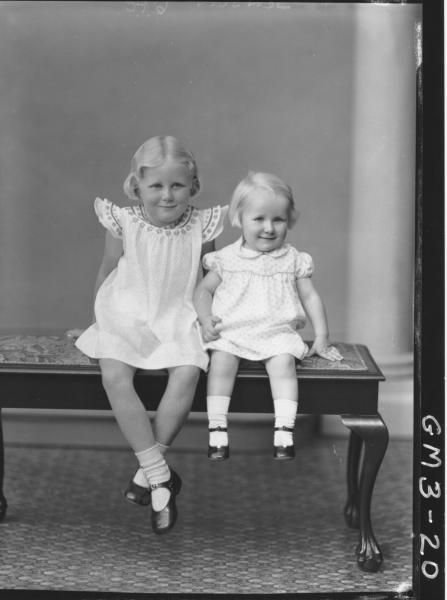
(285, 414)
(140, 478)
(217, 407)
(156, 470)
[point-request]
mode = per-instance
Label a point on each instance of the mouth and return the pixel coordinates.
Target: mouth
(167, 205)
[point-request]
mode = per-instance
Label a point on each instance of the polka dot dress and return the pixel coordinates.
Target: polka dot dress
(258, 300)
(144, 310)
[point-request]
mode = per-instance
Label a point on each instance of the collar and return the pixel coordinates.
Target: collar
(245, 252)
(140, 211)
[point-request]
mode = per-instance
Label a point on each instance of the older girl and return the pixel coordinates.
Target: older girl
(251, 304)
(145, 316)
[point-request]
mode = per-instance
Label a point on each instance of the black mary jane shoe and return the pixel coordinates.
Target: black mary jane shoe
(218, 452)
(137, 493)
(283, 452)
(163, 520)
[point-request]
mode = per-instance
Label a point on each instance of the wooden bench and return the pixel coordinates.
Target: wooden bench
(48, 372)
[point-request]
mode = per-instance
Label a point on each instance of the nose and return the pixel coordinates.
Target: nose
(268, 226)
(167, 194)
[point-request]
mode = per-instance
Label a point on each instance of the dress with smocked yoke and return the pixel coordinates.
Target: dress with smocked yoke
(144, 309)
(258, 300)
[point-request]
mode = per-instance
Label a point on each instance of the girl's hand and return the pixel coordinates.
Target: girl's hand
(211, 327)
(322, 347)
(73, 333)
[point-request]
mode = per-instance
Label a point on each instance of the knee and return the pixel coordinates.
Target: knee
(283, 366)
(223, 366)
(114, 379)
(289, 363)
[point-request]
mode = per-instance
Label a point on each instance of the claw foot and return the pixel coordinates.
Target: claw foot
(369, 557)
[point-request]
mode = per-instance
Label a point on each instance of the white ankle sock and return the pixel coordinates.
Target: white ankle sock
(140, 478)
(217, 407)
(156, 470)
(285, 414)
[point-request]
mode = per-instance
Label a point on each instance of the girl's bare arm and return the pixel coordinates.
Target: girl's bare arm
(206, 248)
(203, 300)
(113, 250)
(314, 307)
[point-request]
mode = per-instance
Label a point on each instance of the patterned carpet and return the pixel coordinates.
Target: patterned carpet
(248, 525)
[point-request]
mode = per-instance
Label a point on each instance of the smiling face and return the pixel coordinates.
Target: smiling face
(264, 220)
(165, 192)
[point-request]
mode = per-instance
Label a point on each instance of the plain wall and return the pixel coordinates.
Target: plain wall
(83, 84)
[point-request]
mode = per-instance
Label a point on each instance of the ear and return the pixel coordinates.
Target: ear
(293, 218)
(134, 187)
(131, 188)
(235, 220)
(195, 187)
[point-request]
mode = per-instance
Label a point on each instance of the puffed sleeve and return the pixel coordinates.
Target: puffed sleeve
(109, 215)
(212, 220)
(304, 265)
(213, 262)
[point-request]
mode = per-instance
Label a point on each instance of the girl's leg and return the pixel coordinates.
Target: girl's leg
(172, 412)
(175, 404)
(129, 411)
(141, 481)
(221, 378)
(173, 409)
(132, 418)
(284, 386)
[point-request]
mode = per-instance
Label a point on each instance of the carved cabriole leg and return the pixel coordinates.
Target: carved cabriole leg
(351, 510)
(3, 503)
(374, 434)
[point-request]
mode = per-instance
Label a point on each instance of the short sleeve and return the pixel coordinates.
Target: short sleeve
(212, 220)
(212, 262)
(109, 215)
(304, 265)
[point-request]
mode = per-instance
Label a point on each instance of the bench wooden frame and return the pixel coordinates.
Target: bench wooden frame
(352, 394)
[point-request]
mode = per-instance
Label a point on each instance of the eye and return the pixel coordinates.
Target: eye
(155, 186)
(279, 220)
(178, 185)
(258, 219)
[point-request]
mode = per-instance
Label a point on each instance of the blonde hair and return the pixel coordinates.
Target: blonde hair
(153, 153)
(253, 182)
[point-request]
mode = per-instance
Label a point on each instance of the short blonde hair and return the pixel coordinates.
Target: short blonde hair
(253, 182)
(153, 153)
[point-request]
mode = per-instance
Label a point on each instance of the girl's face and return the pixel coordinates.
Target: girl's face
(264, 221)
(165, 192)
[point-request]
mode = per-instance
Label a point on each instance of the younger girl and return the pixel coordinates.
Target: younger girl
(250, 305)
(145, 317)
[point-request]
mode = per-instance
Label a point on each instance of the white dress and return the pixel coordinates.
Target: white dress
(258, 300)
(144, 309)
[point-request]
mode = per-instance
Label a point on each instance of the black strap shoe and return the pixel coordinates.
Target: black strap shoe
(137, 493)
(284, 452)
(218, 452)
(163, 520)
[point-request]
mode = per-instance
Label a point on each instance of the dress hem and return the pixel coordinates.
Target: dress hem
(201, 363)
(262, 356)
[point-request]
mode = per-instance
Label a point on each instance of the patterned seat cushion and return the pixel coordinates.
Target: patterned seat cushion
(59, 350)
